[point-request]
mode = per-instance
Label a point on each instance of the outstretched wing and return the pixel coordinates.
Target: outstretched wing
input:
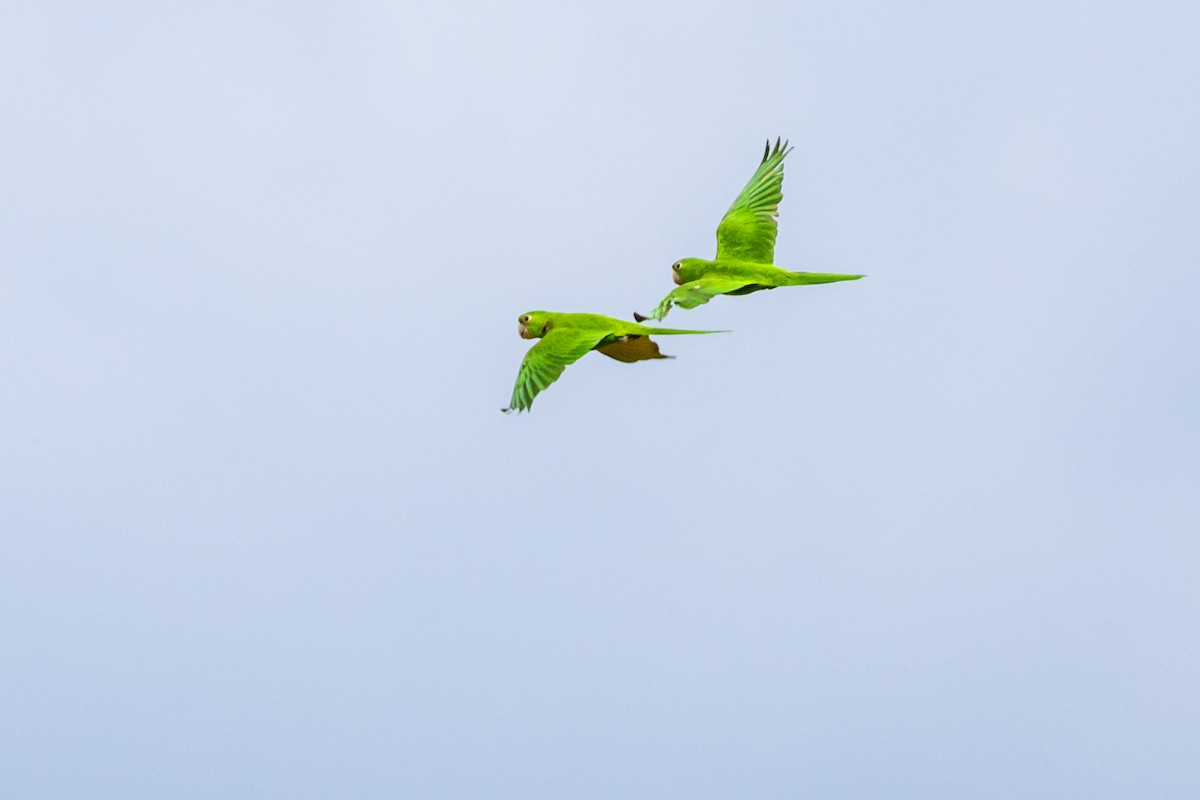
(747, 232)
(547, 359)
(694, 293)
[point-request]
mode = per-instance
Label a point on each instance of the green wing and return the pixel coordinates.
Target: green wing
(747, 232)
(547, 359)
(694, 293)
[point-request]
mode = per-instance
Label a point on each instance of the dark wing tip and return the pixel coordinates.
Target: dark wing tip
(767, 150)
(639, 317)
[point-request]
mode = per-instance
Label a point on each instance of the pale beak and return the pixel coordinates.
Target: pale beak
(675, 277)
(521, 329)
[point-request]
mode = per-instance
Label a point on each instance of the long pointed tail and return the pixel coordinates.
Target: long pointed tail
(805, 278)
(650, 330)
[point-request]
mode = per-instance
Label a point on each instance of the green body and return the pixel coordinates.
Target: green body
(565, 338)
(745, 247)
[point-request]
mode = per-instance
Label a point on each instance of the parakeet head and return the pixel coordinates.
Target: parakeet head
(533, 324)
(687, 269)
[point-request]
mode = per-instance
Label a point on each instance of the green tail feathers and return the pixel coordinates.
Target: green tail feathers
(653, 331)
(805, 278)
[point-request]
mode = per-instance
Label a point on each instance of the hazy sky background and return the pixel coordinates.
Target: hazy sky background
(932, 534)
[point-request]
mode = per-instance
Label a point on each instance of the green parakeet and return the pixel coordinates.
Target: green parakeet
(745, 247)
(565, 338)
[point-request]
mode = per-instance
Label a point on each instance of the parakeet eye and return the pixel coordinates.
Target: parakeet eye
(524, 319)
(676, 265)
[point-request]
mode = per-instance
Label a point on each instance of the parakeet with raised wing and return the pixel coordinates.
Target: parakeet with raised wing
(745, 259)
(565, 338)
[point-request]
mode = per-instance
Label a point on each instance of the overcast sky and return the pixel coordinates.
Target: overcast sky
(932, 534)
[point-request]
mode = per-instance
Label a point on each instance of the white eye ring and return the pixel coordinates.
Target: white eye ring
(524, 319)
(676, 265)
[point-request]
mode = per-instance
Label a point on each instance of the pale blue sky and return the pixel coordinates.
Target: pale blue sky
(933, 534)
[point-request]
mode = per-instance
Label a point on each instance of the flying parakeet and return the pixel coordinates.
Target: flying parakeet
(745, 247)
(565, 338)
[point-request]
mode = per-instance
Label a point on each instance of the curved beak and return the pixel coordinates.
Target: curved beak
(521, 329)
(675, 277)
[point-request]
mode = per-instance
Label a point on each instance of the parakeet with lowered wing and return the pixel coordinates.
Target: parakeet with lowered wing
(565, 338)
(745, 259)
